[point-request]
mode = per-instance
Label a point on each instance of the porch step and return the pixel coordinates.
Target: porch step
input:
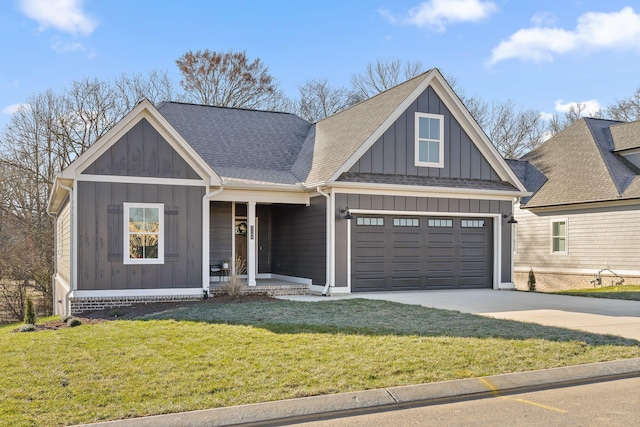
(271, 290)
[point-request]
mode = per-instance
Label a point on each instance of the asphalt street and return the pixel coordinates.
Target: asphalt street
(610, 403)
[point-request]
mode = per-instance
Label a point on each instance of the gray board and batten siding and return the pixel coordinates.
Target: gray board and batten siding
(100, 237)
(142, 151)
(394, 152)
(475, 208)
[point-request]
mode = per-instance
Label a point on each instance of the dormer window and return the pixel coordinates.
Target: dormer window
(429, 140)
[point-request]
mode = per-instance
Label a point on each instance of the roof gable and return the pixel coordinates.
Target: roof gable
(143, 111)
(344, 138)
(142, 151)
(581, 167)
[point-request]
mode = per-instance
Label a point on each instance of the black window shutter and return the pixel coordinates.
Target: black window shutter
(171, 228)
(115, 231)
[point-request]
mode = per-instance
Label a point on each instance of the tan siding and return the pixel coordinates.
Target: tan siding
(597, 238)
(63, 249)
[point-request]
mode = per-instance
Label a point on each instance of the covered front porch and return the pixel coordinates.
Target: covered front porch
(275, 241)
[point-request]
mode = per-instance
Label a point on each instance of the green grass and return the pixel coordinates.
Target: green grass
(628, 292)
(213, 355)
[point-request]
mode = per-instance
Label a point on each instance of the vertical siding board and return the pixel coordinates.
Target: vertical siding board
(165, 160)
(432, 204)
(149, 149)
(220, 232)
(412, 169)
(119, 157)
(119, 279)
(422, 204)
(194, 235)
(464, 205)
(263, 212)
(388, 202)
(454, 147)
(180, 199)
(465, 156)
(474, 206)
(401, 145)
(103, 164)
(411, 203)
(484, 206)
(171, 233)
(134, 143)
(377, 156)
(102, 266)
(476, 161)
(377, 202)
(365, 201)
(134, 272)
(389, 151)
(87, 239)
(454, 205)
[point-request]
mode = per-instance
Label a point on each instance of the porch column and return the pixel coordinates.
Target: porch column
(251, 244)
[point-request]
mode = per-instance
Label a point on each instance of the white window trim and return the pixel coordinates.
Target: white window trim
(566, 236)
(514, 238)
(440, 163)
(125, 221)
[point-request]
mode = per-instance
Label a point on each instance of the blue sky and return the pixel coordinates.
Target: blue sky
(542, 54)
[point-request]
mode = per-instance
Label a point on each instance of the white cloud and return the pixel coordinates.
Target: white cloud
(14, 108)
(64, 15)
(546, 116)
(437, 14)
(589, 108)
(594, 31)
(543, 18)
(65, 47)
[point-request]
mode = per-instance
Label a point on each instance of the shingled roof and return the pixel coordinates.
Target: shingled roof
(243, 145)
(580, 166)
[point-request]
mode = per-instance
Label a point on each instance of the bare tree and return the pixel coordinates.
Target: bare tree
(573, 114)
(626, 109)
(226, 79)
(383, 75)
(318, 100)
(42, 138)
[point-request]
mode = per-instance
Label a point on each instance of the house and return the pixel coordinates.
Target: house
(584, 214)
(402, 191)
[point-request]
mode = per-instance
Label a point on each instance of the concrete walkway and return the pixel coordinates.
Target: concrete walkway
(597, 315)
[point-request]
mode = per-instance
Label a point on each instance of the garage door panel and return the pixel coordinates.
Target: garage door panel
(440, 282)
(405, 283)
(400, 258)
(473, 253)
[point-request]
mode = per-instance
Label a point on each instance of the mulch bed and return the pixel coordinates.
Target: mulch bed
(139, 310)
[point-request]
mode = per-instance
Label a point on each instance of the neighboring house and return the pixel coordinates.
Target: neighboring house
(174, 189)
(584, 214)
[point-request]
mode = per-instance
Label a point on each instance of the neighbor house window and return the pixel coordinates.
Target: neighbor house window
(429, 140)
(143, 233)
(559, 237)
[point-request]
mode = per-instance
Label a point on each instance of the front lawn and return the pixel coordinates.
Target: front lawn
(628, 292)
(212, 355)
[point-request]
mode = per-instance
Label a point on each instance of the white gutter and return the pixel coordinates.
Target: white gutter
(205, 238)
(328, 237)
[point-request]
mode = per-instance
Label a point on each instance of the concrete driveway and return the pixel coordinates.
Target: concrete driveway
(597, 315)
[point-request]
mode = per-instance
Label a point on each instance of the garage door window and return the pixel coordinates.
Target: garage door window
(472, 223)
(406, 222)
(444, 223)
(368, 221)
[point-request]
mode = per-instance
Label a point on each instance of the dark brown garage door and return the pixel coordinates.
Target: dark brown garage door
(408, 253)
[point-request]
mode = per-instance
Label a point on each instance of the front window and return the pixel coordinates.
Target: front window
(559, 237)
(143, 233)
(429, 140)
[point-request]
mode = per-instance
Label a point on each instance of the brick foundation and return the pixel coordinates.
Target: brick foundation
(551, 282)
(80, 305)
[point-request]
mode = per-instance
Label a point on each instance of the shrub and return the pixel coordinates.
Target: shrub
(235, 285)
(73, 322)
(29, 312)
(66, 318)
(531, 283)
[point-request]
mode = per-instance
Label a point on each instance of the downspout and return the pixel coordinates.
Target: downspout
(67, 306)
(325, 291)
(206, 243)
